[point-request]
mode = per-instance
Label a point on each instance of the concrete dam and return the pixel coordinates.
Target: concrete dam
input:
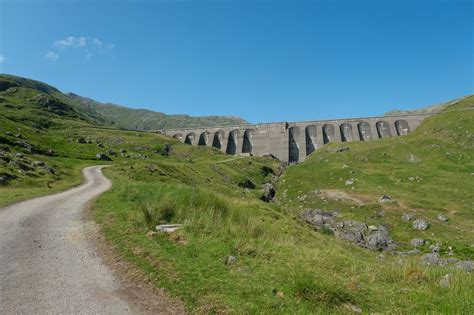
(292, 142)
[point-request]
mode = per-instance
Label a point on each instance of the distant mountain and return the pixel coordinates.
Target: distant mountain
(426, 110)
(144, 119)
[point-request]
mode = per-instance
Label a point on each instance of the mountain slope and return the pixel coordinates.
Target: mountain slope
(143, 119)
(428, 109)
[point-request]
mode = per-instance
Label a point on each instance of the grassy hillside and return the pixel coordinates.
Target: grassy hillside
(428, 109)
(238, 254)
(143, 119)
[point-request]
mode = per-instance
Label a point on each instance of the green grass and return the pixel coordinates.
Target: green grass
(282, 266)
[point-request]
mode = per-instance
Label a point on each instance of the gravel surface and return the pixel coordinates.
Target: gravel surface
(46, 263)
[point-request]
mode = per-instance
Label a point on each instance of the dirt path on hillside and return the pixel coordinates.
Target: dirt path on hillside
(49, 264)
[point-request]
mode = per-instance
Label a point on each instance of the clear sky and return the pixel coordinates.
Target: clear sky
(261, 60)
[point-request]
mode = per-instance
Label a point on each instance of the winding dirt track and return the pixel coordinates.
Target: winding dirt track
(46, 263)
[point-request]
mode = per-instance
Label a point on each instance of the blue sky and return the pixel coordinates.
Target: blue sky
(261, 60)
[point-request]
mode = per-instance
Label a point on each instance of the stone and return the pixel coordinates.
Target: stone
(433, 259)
(445, 280)
(111, 152)
(350, 181)
(417, 242)
(81, 140)
(411, 178)
(268, 192)
(49, 169)
(318, 218)
(385, 198)
(466, 265)
(103, 157)
(100, 145)
(420, 224)
(123, 151)
(408, 252)
(413, 158)
(38, 163)
(378, 240)
(19, 135)
(406, 217)
(442, 218)
(168, 228)
(231, 260)
(435, 248)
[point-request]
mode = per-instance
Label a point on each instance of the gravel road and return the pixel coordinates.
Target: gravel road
(47, 265)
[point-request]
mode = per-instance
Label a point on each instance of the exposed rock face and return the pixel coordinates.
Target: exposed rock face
(268, 192)
(103, 157)
(420, 224)
(371, 237)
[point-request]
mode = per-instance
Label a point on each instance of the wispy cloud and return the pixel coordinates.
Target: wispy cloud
(2, 59)
(51, 55)
(88, 45)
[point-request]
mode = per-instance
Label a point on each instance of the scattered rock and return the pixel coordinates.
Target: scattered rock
(100, 145)
(123, 151)
(420, 224)
(103, 157)
(466, 265)
(38, 163)
(352, 308)
(231, 260)
(385, 198)
(411, 178)
(268, 192)
(442, 218)
(19, 136)
(247, 183)
(111, 152)
(318, 218)
(406, 217)
(81, 140)
(433, 259)
(49, 169)
(413, 158)
(435, 248)
(445, 280)
(408, 252)
(379, 239)
(19, 155)
(350, 181)
(168, 228)
(417, 242)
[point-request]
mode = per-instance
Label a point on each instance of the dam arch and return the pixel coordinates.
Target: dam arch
(203, 138)
(190, 138)
(293, 144)
(365, 132)
(217, 139)
(346, 132)
(232, 142)
(247, 141)
(178, 136)
(310, 137)
(383, 129)
(329, 134)
(402, 127)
